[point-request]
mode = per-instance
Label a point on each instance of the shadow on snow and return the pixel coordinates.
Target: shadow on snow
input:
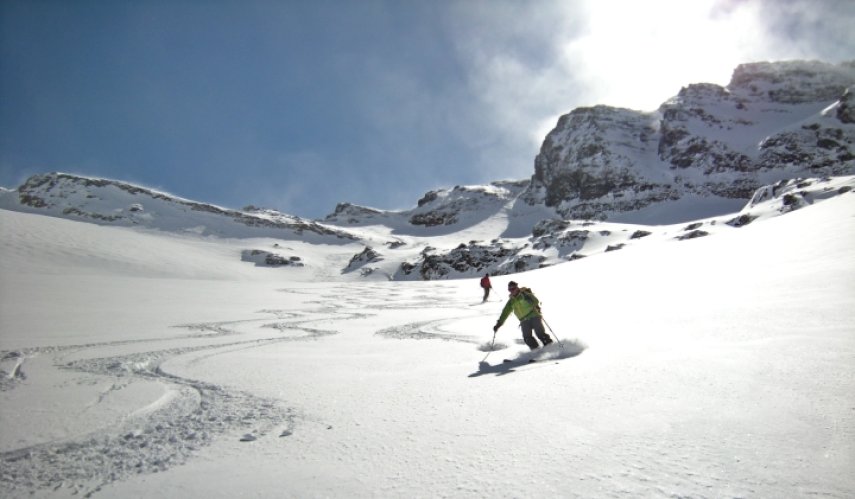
(567, 350)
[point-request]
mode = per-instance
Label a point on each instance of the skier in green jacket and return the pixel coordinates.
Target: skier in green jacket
(527, 309)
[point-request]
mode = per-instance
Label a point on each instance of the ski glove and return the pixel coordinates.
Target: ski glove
(496, 327)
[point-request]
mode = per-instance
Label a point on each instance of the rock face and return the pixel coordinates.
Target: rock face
(352, 214)
(497, 258)
(773, 121)
(846, 108)
(597, 159)
(442, 207)
(366, 256)
(447, 207)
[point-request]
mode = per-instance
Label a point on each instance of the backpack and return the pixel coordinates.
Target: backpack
(528, 295)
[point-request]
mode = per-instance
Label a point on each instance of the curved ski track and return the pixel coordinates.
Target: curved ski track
(195, 412)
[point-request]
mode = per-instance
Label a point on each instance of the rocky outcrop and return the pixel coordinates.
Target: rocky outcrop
(790, 195)
(773, 121)
(589, 164)
(815, 147)
(450, 206)
(262, 258)
(845, 111)
(366, 256)
(792, 82)
(468, 260)
(348, 213)
(437, 208)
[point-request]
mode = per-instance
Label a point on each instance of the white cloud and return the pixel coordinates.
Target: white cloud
(530, 63)
(637, 54)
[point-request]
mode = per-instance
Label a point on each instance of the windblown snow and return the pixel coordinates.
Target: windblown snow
(144, 363)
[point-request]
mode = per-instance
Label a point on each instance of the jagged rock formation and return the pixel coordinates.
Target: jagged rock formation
(498, 258)
(447, 207)
(773, 121)
(366, 256)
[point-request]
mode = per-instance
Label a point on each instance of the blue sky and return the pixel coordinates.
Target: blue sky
(297, 105)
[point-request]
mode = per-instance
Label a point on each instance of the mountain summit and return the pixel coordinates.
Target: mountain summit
(774, 121)
(711, 158)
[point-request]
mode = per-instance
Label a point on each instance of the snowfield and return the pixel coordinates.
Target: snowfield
(138, 363)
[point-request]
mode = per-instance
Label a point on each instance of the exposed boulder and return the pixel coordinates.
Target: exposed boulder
(262, 258)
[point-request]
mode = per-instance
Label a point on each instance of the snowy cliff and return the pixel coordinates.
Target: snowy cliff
(774, 121)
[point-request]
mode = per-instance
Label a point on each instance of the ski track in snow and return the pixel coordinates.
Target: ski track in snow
(425, 330)
(149, 442)
(193, 413)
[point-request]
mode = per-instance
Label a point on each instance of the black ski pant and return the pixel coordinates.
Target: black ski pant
(536, 324)
(486, 293)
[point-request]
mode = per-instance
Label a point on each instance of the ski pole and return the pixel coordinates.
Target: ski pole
(492, 343)
(551, 331)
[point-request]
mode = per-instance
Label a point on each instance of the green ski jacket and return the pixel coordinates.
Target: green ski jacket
(525, 305)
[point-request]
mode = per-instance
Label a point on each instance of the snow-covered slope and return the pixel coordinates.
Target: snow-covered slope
(119, 203)
(153, 346)
(456, 233)
(141, 363)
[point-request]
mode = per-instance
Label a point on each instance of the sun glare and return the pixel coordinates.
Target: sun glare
(637, 54)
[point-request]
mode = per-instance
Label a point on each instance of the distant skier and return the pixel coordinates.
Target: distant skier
(485, 283)
(527, 309)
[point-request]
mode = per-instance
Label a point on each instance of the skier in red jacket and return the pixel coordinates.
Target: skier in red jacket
(485, 283)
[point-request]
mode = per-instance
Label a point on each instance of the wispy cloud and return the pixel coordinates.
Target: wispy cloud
(530, 64)
(808, 29)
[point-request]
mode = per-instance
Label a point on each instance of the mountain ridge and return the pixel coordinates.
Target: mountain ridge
(604, 176)
(774, 121)
(489, 234)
